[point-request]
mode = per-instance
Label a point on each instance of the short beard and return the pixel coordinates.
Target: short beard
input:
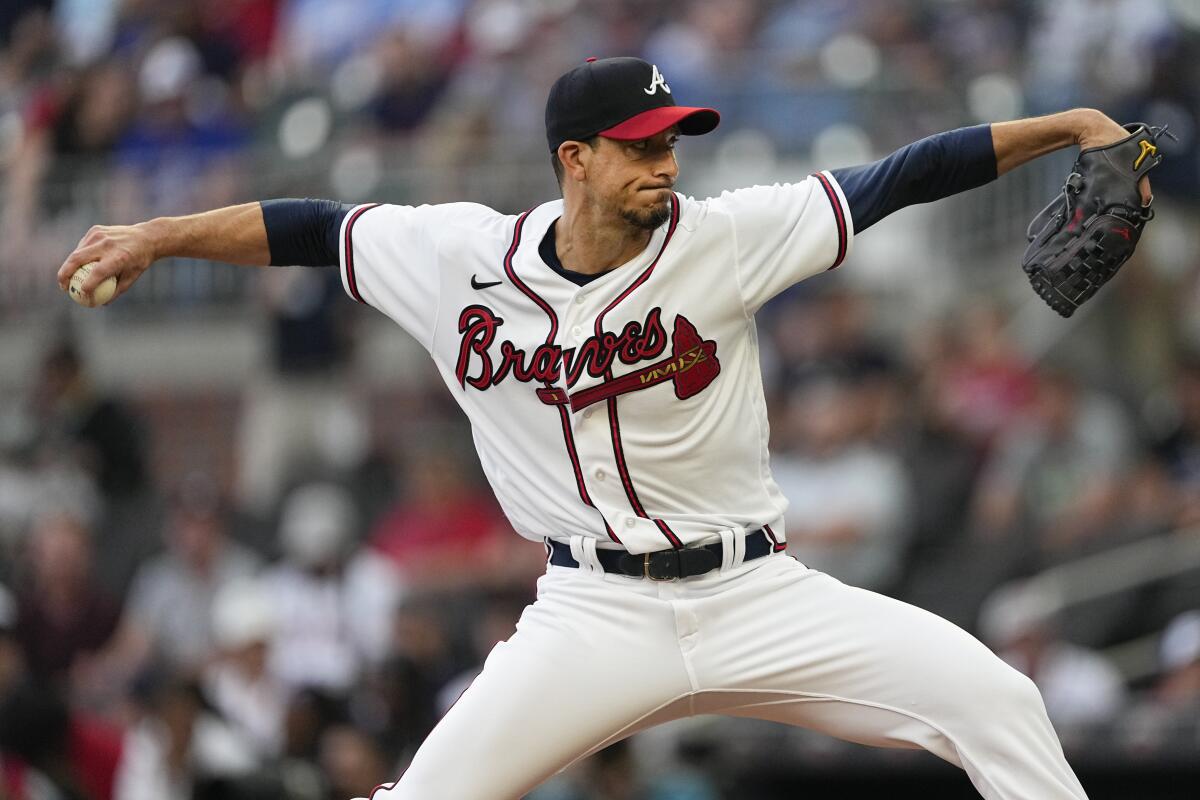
(648, 219)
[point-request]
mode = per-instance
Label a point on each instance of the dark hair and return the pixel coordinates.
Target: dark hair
(557, 165)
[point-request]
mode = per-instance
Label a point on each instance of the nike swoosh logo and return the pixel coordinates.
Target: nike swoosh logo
(475, 284)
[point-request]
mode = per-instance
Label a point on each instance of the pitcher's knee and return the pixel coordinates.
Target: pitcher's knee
(1018, 692)
(1006, 694)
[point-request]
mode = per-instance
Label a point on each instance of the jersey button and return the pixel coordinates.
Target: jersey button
(588, 414)
(629, 523)
(580, 298)
(577, 332)
(601, 475)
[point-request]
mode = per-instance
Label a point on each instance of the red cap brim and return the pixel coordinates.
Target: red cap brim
(691, 122)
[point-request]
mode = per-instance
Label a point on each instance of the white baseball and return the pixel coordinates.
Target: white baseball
(102, 294)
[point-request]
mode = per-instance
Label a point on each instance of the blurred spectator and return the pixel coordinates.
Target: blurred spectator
(612, 774)
(1177, 447)
(17, 10)
(73, 412)
(1179, 654)
(980, 37)
(1079, 686)
(87, 27)
(180, 153)
(403, 693)
(445, 530)
(496, 623)
(1167, 716)
(167, 619)
(27, 42)
(1056, 473)
(176, 745)
(62, 614)
(49, 751)
(848, 499)
(699, 46)
(70, 128)
(1145, 503)
(310, 713)
(977, 379)
(943, 464)
(103, 434)
(303, 416)
(413, 75)
(826, 336)
(329, 601)
(352, 762)
(249, 25)
(237, 683)
(1063, 52)
(315, 34)
(12, 659)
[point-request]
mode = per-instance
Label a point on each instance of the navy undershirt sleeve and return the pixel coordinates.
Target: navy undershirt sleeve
(303, 232)
(926, 170)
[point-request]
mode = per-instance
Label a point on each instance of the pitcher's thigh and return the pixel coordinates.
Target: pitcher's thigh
(802, 631)
(550, 694)
(867, 668)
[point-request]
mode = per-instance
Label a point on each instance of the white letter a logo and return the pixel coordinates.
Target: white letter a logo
(657, 80)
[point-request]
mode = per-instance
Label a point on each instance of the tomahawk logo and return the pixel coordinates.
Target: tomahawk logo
(657, 80)
(691, 367)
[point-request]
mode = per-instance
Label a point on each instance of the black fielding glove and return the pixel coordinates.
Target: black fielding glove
(1079, 241)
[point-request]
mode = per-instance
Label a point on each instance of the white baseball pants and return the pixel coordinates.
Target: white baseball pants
(598, 657)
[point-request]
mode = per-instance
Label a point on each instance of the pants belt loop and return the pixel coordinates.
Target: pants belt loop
(583, 550)
(590, 558)
(739, 546)
(728, 544)
(576, 543)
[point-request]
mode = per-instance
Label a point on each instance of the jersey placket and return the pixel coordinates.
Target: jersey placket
(587, 428)
(549, 393)
(588, 319)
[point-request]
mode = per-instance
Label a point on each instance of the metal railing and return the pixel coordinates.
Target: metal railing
(1110, 573)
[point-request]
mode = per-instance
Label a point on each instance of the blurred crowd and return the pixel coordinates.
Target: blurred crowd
(125, 109)
(289, 617)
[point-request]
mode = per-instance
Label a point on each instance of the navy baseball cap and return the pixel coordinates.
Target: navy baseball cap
(618, 98)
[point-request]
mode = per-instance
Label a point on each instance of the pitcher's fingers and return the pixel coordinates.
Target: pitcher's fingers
(1144, 186)
(75, 260)
(105, 268)
(124, 281)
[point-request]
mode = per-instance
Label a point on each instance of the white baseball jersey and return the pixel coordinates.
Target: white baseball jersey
(630, 409)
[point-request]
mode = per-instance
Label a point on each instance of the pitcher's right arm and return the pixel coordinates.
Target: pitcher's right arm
(273, 232)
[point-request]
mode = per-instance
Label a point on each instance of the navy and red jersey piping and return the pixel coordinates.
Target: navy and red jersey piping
(564, 415)
(839, 216)
(351, 281)
(614, 421)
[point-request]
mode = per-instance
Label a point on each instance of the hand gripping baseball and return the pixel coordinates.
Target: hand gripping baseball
(119, 251)
(1079, 241)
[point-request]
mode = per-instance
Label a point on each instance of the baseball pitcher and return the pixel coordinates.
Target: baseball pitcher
(603, 347)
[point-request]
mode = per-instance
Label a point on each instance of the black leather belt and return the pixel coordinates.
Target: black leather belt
(665, 565)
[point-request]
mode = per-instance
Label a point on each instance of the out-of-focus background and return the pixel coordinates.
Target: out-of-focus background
(245, 549)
